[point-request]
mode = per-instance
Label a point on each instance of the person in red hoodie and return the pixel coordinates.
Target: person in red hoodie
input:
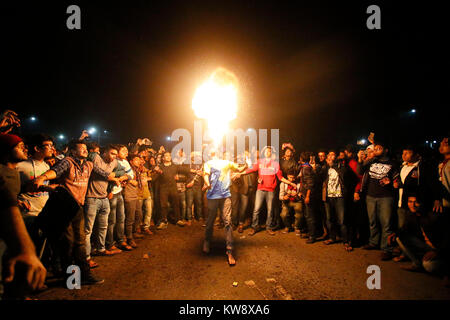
(268, 171)
(358, 223)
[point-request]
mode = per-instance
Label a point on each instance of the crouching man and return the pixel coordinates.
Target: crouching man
(424, 239)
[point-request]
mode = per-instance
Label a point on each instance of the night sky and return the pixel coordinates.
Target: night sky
(310, 68)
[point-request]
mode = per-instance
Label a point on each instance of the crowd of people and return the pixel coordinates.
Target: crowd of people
(62, 207)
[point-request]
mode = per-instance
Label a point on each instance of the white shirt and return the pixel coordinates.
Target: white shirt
(406, 169)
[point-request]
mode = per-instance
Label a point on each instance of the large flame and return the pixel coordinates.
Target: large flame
(216, 101)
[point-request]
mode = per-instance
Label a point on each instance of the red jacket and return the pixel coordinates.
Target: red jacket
(268, 171)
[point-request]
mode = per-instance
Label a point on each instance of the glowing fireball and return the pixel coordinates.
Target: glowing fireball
(216, 101)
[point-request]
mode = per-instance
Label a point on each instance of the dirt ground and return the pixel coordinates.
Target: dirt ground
(268, 267)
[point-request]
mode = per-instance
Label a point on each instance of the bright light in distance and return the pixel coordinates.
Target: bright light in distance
(92, 130)
(413, 110)
(168, 138)
(216, 101)
(106, 131)
(33, 118)
(61, 137)
(434, 141)
(426, 141)
(362, 142)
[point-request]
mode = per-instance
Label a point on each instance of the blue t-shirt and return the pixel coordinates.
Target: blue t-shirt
(219, 178)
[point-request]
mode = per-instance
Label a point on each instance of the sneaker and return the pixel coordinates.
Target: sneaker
(285, 230)
(92, 264)
(138, 236)
(311, 240)
(104, 253)
(241, 228)
(124, 246)
(114, 250)
(131, 243)
(297, 232)
(162, 225)
(91, 279)
(252, 232)
(270, 232)
(180, 223)
(147, 232)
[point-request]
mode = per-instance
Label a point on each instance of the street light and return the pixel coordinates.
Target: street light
(61, 137)
(413, 110)
(168, 138)
(33, 118)
(92, 130)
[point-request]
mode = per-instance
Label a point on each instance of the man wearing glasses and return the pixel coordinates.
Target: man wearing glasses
(40, 147)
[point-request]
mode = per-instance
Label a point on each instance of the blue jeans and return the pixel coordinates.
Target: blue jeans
(147, 207)
(96, 209)
(194, 196)
(116, 220)
(335, 210)
(225, 208)
(182, 204)
(262, 196)
(380, 211)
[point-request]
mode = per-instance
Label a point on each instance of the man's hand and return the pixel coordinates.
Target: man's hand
(206, 187)
(356, 196)
(286, 197)
(437, 207)
(110, 196)
(38, 182)
(385, 181)
(396, 184)
(49, 188)
(190, 184)
(28, 263)
(391, 239)
(307, 200)
(361, 156)
(84, 135)
(24, 205)
(430, 256)
(9, 119)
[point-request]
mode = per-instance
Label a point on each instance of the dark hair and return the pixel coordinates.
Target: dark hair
(349, 148)
(120, 146)
(93, 145)
(37, 140)
(132, 156)
(411, 147)
(143, 148)
(73, 144)
(110, 147)
(291, 172)
(305, 156)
